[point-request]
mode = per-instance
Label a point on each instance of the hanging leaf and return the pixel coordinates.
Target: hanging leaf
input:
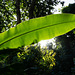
(37, 29)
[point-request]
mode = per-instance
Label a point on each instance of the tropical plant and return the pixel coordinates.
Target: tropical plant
(36, 59)
(32, 60)
(37, 29)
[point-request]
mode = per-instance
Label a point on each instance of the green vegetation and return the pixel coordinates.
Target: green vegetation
(16, 33)
(20, 36)
(31, 60)
(37, 29)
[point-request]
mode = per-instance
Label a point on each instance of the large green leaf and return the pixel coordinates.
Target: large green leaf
(37, 29)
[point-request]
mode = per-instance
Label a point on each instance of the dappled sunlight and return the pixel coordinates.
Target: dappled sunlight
(44, 43)
(31, 60)
(58, 9)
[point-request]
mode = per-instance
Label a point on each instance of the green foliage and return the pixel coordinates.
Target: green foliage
(8, 11)
(27, 32)
(37, 8)
(35, 54)
(48, 58)
(29, 9)
(6, 15)
(30, 61)
(66, 48)
(33, 60)
(37, 59)
(69, 9)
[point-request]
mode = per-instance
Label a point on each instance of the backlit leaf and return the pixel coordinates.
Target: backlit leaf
(37, 29)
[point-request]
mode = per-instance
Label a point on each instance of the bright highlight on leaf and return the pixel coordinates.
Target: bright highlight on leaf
(37, 29)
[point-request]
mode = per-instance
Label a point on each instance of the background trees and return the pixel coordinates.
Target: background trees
(6, 15)
(13, 11)
(28, 9)
(66, 53)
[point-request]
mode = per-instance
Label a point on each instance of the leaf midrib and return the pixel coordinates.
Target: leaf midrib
(32, 31)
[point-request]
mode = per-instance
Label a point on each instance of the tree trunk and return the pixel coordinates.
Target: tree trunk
(18, 11)
(31, 9)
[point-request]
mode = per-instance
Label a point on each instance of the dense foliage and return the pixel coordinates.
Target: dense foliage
(29, 61)
(33, 60)
(15, 11)
(66, 52)
(6, 15)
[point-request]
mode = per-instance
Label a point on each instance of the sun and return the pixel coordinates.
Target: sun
(43, 43)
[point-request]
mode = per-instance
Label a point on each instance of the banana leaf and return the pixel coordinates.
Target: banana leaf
(41, 28)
